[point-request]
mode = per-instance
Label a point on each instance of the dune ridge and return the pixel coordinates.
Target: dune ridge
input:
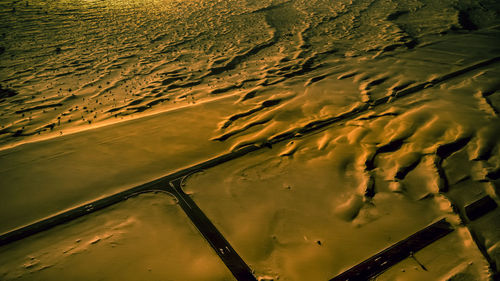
(315, 135)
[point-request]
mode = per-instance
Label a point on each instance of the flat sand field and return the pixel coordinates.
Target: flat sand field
(249, 140)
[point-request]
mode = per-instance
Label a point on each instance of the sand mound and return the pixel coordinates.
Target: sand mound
(367, 121)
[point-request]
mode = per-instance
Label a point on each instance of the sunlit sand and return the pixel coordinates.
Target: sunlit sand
(249, 140)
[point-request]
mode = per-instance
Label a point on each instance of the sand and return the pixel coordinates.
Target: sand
(369, 119)
(42, 178)
(119, 244)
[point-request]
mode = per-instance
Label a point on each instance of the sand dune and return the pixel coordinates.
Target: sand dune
(335, 130)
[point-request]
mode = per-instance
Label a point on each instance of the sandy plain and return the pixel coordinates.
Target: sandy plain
(370, 120)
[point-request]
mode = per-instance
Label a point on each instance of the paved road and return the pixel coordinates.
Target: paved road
(228, 255)
(396, 253)
(216, 240)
